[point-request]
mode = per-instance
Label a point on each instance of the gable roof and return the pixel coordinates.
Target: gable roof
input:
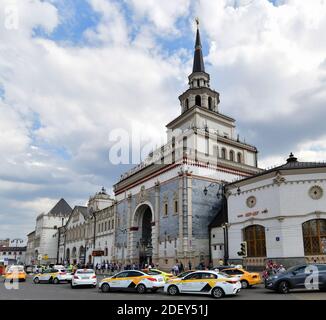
(292, 163)
(62, 208)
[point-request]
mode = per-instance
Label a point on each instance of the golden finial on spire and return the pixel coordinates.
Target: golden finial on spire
(197, 22)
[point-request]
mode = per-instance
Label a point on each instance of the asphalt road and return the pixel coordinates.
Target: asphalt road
(30, 291)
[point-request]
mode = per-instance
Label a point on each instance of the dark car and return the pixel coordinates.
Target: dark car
(297, 278)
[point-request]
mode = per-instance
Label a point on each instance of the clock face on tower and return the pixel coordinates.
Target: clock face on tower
(315, 192)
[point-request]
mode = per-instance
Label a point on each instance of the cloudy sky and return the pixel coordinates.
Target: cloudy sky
(71, 71)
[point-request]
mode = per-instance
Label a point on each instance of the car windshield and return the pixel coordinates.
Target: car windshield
(225, 275)
(292, 269)
(151, 273)
(16, 269)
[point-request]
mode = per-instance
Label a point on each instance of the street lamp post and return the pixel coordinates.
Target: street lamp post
(17, 241)
(226, 242)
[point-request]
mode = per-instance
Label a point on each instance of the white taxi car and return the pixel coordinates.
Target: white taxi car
(211, 283)
(84, 277)
(51, 276)
(132, 280)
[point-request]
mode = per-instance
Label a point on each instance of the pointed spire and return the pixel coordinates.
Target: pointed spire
(198, 65)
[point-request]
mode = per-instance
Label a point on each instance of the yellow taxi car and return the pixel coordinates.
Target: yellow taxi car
(15, 273)
(215, 284)
(132, 280)
(155, 272)
(246, 278)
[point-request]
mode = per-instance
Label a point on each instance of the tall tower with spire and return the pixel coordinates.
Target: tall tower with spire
(199, 93)
(162, 202)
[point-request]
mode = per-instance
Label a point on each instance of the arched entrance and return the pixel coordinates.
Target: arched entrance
(68, 255)
(142, 246)
(256, 241)
(74, 255)
(81, 255)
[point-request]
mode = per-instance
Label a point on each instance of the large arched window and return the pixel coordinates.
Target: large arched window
(198, 100)
(239, 156)
(256, 243)
(223, 153)
(314, 236)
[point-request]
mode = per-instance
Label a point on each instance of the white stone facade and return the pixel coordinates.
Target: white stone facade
(283, 201)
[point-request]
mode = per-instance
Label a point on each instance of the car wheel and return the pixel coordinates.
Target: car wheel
(72, 286)
(105, 287)
(141, 288)
(36, 280)
(173, 290)
(217, 293)
(244, 284)
(56, 281)
(283, 287)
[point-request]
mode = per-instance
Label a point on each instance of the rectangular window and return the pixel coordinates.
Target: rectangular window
(105, 226)
(206, 146)
(112, 224)
(166, 209)
(176, 206)
(184, 144)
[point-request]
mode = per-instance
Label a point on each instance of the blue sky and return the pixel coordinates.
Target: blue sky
(75, 70)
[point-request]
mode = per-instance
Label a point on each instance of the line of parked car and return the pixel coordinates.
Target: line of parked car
(219, 282)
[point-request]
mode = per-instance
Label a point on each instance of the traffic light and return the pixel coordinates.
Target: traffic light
(243, 249)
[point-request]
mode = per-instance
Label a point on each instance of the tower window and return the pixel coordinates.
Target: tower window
(206, 146)
(184, 142)
(173, 149)
(209, 103)
(231, 155)
(223, 155)
(239, 157)
(198, 83)
(198, 100)
(187, 104)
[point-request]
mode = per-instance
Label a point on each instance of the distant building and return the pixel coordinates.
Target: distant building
(12, 255)
(5, 243)
(30, 249)
(88, 234)
(44, 242)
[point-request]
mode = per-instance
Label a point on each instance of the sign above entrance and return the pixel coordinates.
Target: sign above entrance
(97, 253)
(252, 214)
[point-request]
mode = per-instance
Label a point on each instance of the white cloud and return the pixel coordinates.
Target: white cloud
(61, 101)
(162, 14)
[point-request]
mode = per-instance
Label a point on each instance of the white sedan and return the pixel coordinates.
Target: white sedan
(204, 282)
(84, 277)
(132, 280)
